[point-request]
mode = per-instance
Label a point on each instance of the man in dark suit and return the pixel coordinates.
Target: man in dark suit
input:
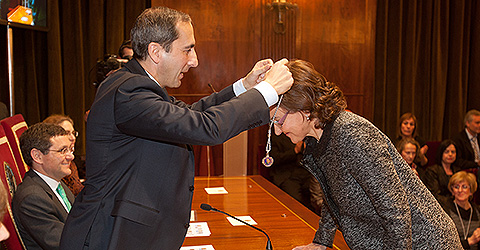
(39, 206)
(140, 167)
(468, 153)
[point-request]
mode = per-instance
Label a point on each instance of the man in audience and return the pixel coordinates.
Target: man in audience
(42, 201)
(468, 152)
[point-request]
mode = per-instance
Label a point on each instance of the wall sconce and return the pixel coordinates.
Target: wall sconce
(280, 6)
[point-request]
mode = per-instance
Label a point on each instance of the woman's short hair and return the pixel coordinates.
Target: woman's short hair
(460, 176)
(403, 142)
(441, 148)
(312, 92)
(404, 117)
(57, 119)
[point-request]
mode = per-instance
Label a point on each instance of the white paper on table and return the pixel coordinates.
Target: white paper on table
(204, 247)
(216, 190)
(247, 219)
(197, 229)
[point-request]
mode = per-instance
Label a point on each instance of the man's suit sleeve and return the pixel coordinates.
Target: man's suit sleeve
(141, 111)
(38, 215)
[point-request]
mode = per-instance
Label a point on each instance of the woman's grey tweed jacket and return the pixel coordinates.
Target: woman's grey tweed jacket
(371, 193)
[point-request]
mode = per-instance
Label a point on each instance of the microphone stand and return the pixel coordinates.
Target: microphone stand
(208, 207)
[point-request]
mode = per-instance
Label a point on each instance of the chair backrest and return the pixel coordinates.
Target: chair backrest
(432, 151)
(14, 126)
(10, 177)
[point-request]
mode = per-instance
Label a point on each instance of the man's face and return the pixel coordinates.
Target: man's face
(473, 126)
(55, 164)
(180, 59)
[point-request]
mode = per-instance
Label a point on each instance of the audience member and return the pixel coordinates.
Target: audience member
(42, 201)
(73, 181)
(467, 141)
(370, 193)
(437, 176)
(465, 214)
(408, 149)
(4, 234)
(3, 111)
(140, 166)
(407, 128)
(286, 171)
(125, 51)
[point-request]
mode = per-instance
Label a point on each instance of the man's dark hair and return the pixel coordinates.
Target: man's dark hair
(158, 25)
(125, 44)
(38, 136)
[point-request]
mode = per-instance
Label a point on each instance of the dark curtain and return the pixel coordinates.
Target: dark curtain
(54, 70)
(427, 62)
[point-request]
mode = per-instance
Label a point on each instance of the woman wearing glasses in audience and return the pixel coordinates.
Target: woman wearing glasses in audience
(370, 193)
(73, 181)
(437, 176)
(465, 214)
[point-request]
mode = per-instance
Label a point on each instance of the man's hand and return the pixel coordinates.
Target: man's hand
(311, 246)
(257, 74)
(279, 77)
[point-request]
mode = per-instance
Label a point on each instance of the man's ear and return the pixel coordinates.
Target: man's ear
(37, 156)
(155, 52)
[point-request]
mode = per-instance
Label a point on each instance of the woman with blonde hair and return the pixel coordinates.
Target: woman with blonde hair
(370, 193)
(465, 214)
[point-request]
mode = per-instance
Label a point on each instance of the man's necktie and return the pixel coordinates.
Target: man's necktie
(62, 194)
(475, 148)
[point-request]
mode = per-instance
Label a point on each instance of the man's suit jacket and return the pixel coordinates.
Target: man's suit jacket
(465, 154)
(140, 167)
(39, 214)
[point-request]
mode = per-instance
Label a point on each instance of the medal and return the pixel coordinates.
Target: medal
(267, 161)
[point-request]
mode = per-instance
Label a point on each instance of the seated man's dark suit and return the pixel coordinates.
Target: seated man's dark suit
(39, 214)
(140, 167)
(465, 154)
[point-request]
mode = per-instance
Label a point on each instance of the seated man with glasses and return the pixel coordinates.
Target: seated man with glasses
(73, 180)
(42, 201)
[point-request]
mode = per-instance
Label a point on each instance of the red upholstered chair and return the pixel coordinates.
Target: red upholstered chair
(10, 177)
(14, 127)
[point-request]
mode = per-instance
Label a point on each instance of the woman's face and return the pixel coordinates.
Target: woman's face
(294, 125)
(461, 191)
(70, 130)
(449, 155)
(407, 127)
(409, 152)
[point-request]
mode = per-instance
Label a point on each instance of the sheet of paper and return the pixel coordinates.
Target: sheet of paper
(197, 229)
(247, 219)
(216, 190)
(204, 247)
(193, 215)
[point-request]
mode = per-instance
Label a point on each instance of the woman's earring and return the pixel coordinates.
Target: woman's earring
(308, 118)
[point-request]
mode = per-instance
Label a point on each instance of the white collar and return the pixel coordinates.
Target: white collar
(52, 183)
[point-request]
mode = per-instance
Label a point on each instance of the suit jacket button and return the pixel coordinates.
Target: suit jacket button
(186, 225)
(191, 188)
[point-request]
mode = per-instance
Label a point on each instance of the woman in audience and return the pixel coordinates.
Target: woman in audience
(73, 181)
(407, 128)
(437, 176)
(4, 234)
(465, 214)
(369, 190)
(408, 149)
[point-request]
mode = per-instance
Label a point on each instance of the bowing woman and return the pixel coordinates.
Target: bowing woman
(371, 195)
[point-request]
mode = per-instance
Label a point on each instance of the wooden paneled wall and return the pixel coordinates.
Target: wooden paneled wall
(337, 36)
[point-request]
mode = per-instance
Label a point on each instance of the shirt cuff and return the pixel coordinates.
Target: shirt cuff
(238, 87)
(268, 92)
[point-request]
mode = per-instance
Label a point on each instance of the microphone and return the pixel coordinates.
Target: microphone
(212, 88)
(207, 207)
